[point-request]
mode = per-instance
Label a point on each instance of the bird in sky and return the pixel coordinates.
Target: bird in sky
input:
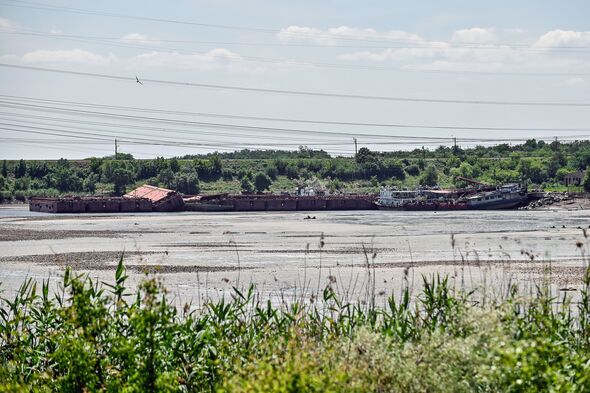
(137, 80)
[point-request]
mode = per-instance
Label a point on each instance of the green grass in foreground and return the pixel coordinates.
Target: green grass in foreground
(99, 337)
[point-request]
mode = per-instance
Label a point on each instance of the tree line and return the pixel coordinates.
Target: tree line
(536, 163)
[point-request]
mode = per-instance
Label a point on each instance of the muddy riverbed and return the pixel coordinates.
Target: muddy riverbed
(202, 255)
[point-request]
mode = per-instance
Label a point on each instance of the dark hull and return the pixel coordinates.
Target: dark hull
(425, 207)
(496, 205)
(500, 205)
(207, 207)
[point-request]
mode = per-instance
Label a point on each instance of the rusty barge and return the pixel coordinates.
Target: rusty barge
(155, 199)
(141, 200)
(271, 202)
(483, 197)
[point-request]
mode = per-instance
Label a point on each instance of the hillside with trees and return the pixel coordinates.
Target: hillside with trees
(536, 163)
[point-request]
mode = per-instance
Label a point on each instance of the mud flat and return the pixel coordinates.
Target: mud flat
(202, 255)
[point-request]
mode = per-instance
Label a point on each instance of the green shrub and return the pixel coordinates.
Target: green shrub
(20, 196)
(412, 170)
(92, 337)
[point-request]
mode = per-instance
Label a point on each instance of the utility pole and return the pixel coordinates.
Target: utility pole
(555, 144)
(116, 147)
(355, 147)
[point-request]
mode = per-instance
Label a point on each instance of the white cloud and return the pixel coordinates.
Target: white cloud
(557, 38)
(475, 35)
(7, 24)
(215, 59)
(334, 35)
(77, 56)
(487, 56)
(427, 52)
(573, 82)
(138, 38)
(212, 59)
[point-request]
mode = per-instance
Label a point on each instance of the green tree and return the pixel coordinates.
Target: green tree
(37, 170)
(272, 172)
(187, 182)
(532, 170)
(429, 177)
(586, 181)
(291, 171)
(558, 161)
(21, 169)
(216, 166)
(166, 177)
(65, 179)
(394, 169)
(581, 158)
(246, 183)
(364, 155)
(374, 181)
(174, 164)
(120, 173)
(89, 183)
(147, 169)
(96, 165)
(4, 168)
(122, 176)
(262, 182)
(464, 170)
(412, 170)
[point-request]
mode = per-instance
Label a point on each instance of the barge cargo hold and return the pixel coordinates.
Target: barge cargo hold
(271, 202)
(264, 202)
(90, 205)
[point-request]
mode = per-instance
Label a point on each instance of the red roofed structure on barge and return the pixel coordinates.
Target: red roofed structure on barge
(143, 199)
(163, 200)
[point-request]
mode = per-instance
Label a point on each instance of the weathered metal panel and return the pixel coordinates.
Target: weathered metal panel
(89, 205)
(281, 204)
(311, 204)
(249, 204)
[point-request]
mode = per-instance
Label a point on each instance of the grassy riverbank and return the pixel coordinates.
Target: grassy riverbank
(99, 337)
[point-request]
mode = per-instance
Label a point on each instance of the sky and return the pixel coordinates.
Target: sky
(189, 77)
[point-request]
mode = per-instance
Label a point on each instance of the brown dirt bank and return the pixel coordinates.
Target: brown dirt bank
(107, 260)
(11, 234)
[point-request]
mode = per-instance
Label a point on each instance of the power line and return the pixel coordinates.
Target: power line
(289, 120)
(297, 92)
(158, 130)
(176, 141)
(402, 139)
(152, 120)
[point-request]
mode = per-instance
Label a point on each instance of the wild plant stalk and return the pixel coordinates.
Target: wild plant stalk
(90, 337)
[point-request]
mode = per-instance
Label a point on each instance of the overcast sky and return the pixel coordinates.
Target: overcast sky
(512, 55)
